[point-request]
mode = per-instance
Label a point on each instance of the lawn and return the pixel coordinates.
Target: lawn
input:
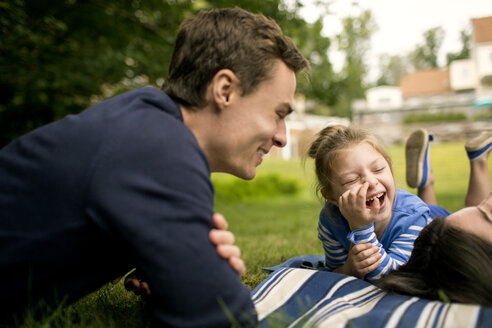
(269, 230)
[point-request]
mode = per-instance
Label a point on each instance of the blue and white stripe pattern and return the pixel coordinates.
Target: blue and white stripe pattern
(409, 217)
(398, 252)
(294, 297)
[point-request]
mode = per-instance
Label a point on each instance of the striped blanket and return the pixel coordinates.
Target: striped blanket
(297, 297)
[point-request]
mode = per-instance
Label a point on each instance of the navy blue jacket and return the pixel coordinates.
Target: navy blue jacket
(123, 184)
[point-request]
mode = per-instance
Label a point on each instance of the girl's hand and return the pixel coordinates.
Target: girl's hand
(362, 259)
(224, 240)
(352, 204)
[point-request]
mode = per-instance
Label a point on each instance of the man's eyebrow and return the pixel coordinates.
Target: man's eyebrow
(485, 214)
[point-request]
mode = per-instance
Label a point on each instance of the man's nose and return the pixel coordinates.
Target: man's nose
(280, 138)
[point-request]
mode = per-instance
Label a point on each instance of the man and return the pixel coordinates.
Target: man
(126, 183)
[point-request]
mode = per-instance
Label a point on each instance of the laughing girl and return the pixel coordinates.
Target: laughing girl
(367, 225)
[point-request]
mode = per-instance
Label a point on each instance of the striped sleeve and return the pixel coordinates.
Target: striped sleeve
(335, 253)
(398, 252)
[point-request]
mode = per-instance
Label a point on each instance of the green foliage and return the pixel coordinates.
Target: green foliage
(435, 117)
(56, 55)
(392, 69)
(464, 53)
(263, 187)
(354, 42)
(425, 56)
(59, 57)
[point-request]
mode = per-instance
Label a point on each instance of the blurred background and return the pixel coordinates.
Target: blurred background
(380, 64)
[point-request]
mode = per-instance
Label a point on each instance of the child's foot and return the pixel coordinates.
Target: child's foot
(479, 146)
(417, 158)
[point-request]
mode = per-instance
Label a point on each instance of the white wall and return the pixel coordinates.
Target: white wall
(384, 97)
(484, 60)
(463, 75)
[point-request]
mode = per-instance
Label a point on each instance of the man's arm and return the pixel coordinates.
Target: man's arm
(219, 236)
(152, 193)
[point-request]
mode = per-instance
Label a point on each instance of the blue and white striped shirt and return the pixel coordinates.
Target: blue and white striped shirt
(410, 215)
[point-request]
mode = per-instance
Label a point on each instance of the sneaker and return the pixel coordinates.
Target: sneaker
(479, 145)
(417, 158)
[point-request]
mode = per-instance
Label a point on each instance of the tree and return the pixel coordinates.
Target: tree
(60, 56)
(392, 69)
(425, 56)
(354, 42)
(464, 53)
(56, 55)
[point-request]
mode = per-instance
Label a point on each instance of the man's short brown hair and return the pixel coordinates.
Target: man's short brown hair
(231, 38)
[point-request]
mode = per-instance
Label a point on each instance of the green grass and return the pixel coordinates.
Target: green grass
(269, 230)
(451, 171)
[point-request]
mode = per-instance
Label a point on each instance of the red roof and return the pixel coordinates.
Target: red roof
(482, 29)
(425, 82)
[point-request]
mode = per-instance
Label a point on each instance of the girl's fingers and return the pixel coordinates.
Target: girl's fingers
(373, 266)
(362, 194)
(355, 196)
(356, 249)
(375, 206)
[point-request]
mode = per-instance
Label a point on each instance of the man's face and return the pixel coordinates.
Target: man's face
(252, 124)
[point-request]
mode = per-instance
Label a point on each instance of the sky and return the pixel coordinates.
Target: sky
(402, 23)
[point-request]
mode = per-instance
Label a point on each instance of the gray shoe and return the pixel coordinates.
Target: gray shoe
(417, 158)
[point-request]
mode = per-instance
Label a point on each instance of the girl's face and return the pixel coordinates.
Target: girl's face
(359, 164)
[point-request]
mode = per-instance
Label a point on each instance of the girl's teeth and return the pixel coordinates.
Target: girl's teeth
(377, 196)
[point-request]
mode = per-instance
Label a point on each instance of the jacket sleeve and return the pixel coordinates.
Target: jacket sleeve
(335, 253)
(397, 253)
(151, 192)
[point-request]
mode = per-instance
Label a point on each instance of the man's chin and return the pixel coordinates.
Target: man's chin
(245, 175)
(249, 176)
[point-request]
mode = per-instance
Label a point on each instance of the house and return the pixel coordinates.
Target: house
(426, 83)
(460, 88)
(481, 55)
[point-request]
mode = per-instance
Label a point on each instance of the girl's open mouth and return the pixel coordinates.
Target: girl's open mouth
(381, 197)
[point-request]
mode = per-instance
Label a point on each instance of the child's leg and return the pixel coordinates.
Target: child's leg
(478, 150)
(426, 192)
(418, 166)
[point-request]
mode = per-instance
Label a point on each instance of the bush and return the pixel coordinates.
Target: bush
(264, 186)
(436, 117)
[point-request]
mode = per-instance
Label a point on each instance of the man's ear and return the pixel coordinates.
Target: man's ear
(224, 85)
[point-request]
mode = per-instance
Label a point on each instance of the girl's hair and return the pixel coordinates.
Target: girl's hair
(329, 143)
(446, 264)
